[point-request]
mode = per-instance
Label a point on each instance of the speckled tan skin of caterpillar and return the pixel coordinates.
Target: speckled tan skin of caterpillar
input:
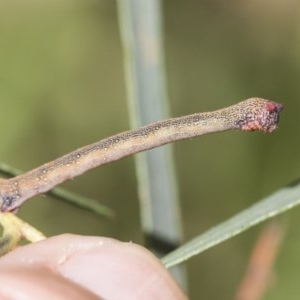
(254, 114)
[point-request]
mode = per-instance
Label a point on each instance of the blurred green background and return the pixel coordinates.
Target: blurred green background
(62, 87)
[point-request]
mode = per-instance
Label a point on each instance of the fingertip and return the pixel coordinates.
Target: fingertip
(108, 268)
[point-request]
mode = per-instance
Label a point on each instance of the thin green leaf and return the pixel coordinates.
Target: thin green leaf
(275, 204)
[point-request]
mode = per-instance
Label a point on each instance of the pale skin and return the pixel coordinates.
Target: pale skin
(77, 267)
(249, 115)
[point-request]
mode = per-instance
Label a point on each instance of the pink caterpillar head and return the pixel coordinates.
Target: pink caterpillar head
(258, 114)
